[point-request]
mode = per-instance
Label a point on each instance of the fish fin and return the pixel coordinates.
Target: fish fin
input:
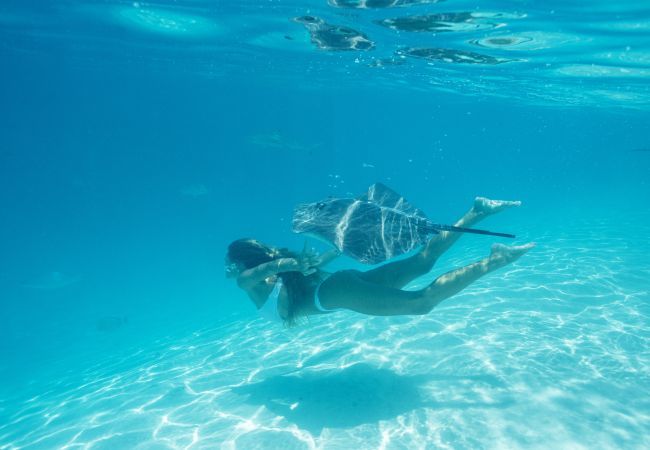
(383, 196)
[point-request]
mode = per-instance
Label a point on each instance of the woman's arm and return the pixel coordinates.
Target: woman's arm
(328, 256)
(260, 273)
(306, 264)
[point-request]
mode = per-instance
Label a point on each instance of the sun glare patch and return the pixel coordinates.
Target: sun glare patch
(163, 21)
(602, 71)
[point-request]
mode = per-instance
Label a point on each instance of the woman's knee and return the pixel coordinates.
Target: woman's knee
(424, 263)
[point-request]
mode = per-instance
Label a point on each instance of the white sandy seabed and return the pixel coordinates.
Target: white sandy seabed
(551, 352)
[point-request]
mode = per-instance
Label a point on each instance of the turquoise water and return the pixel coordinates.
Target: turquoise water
(138, 139)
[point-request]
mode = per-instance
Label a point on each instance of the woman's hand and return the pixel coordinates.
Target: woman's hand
(308, 261)
(304, 265)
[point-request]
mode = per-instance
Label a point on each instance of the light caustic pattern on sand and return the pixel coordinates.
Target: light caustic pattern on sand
(552, 352)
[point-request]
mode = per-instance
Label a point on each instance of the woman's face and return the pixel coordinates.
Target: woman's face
(233, 269)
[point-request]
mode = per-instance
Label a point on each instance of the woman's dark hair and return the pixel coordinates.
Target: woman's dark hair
(251, 253)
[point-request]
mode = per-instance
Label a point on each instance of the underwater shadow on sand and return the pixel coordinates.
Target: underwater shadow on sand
(349, 397)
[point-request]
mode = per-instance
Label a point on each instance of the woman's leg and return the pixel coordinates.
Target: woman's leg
(398, 274)
(348, 289)
(456, 280)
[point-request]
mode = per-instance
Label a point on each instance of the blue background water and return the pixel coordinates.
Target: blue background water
(131, 154)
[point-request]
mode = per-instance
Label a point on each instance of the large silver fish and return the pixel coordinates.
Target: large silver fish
(372, 228)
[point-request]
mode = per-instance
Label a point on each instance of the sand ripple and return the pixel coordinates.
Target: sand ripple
(552, 352)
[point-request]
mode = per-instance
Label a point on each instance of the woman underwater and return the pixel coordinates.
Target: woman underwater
(285, 286)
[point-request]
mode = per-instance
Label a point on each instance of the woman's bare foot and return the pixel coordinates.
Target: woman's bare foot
(487, 206)
(502, 255)
(482, 208)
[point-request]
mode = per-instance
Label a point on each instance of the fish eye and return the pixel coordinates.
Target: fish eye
(308, 18)
(320, 205)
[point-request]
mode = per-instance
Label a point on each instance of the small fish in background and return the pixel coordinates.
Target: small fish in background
(367, 166)
(278, 141)
(273, 139)
(111, 323)
(195, 190)
(51, 281)
(641, 150)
